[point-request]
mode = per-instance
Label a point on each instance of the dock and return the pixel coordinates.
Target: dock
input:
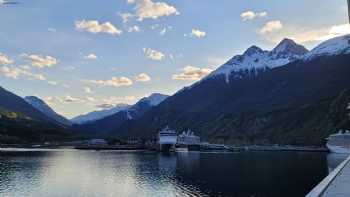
(336, 184)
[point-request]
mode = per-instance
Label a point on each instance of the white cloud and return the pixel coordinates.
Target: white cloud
(15, 73)
(134, 29)
(91, 56)
(165, 30)
(271, 26)
(87, 90)
(95, 27)
(114, 100)
(335, 31)
(63, 99)
(5, 60)
(198, 33)
(126, 16)
(191, 73)
(143, 77)
(41, 61)
(114, 81)
(147, 9)
(250, 15)
(153, 54)
(52, 83)
(70, 99)
(308, 34)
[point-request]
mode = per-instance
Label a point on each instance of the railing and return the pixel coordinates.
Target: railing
(325, 183)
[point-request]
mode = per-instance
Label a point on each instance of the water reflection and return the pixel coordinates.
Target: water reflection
(90, 173)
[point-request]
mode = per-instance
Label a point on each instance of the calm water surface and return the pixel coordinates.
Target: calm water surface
(71, 173)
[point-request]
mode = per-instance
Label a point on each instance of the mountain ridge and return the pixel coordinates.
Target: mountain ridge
(123, 117)
(46, 109)
(249, 104)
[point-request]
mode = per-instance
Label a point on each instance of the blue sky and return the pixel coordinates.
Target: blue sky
(77, 55)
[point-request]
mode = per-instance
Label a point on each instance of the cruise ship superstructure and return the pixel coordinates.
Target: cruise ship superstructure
(188, 141)
(167, 139)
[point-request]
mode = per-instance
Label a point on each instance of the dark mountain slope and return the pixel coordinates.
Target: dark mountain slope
(124, 117)
(14, 103)
(40, 105)
(22, 123)
(255, 104)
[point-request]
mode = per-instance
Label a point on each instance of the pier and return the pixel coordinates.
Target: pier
(336, 184)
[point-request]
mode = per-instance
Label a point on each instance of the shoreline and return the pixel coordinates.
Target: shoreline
(253, 148)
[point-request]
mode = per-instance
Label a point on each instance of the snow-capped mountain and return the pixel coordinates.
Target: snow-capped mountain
(287, 51)
(154, 99)
(97, 115)
(40, 105)
(335, 46)
(255, 59)
(276, 96)
(114, 121)
(146, 102)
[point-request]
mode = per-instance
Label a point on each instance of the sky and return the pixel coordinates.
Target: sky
(86, 55)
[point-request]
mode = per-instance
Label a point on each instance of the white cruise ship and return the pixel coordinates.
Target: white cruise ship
(187, 141)
(339, 142)
(167, 139)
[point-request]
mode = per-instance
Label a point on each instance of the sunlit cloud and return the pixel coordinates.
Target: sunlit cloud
(94, 26)
(52, 83)
(113, 100)
(198, 33)
(87, 90)
(114, 82)
(126, 16)
(91, 56)
(143, 77)
(192, 73)
(134, 28)
(153, 54)
(41, 61)
(16, 73)
(147, 9)
(307, 34)
(250, 15)
(5, 60)
(271, 26)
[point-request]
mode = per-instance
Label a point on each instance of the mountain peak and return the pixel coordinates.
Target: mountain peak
(289, 47)
(155, 98)
(253, 50)
(97, 115)
(334, 46)
(40, 105)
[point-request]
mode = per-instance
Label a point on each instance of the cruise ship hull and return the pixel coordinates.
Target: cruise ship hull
(188, 148)
(338, 149)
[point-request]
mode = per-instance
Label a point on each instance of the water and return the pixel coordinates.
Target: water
(71, 173)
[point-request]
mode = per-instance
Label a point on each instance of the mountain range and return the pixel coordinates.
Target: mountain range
(124, 116)
(40, 105)
(97, 115)
(20, 122)
(288, 95)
